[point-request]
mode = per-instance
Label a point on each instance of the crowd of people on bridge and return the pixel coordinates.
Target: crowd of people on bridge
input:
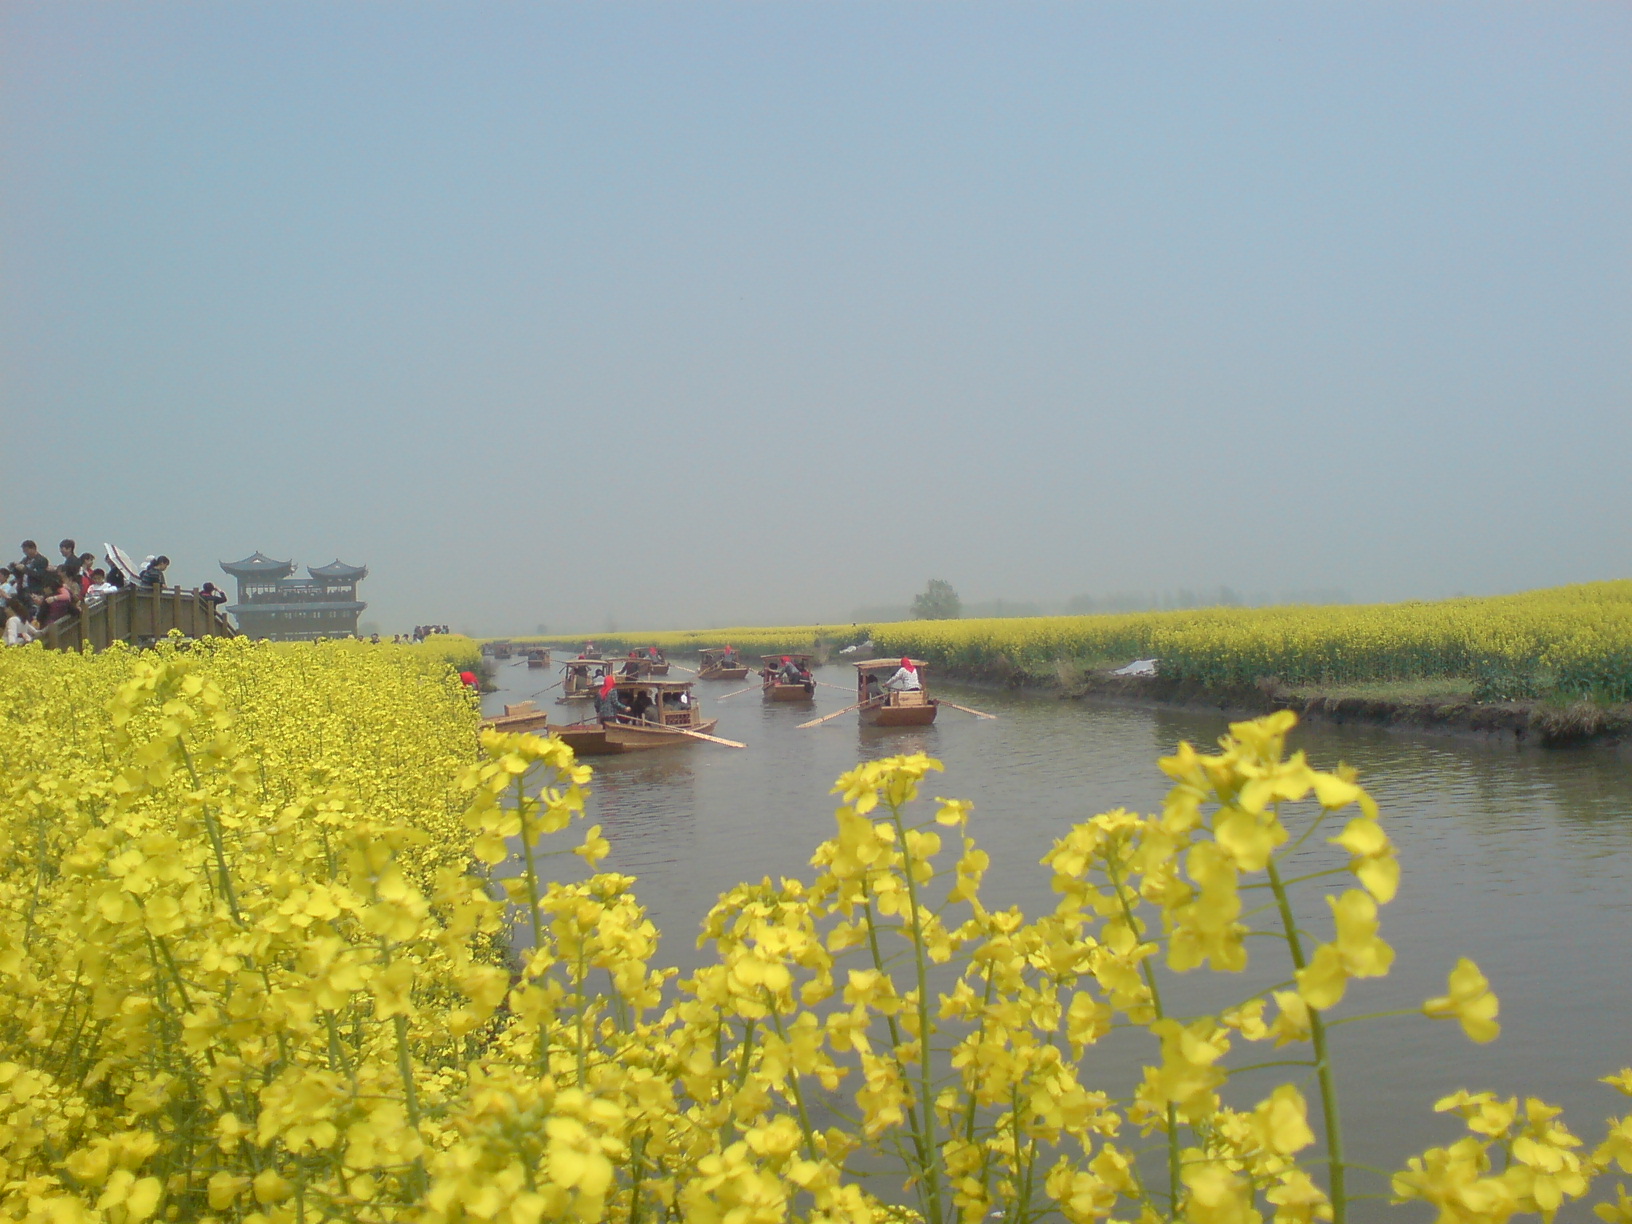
(38, 590)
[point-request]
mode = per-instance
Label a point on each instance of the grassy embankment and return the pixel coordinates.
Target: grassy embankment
(1557, 662)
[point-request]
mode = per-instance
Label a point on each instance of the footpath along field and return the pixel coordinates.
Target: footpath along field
(1572, 642)
(281, 943)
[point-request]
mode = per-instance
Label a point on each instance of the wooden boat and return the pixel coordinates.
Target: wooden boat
(712, 668)
(648, 665)
(889, 708)
(579, 680)
(523, 716)
(660, 710)
(502, 650)
(538, 658)
(773, 689)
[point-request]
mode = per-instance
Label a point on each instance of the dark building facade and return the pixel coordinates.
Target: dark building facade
(274, 604)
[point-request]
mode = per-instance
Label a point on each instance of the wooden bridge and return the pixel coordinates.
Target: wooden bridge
(140, 617)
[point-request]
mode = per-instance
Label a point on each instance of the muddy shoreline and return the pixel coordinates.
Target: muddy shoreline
(1518, 723)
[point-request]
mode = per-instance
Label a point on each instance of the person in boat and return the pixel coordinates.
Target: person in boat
(653, 655)
(874, 692)
(787, 672)
(631, 665)
(906, 678)
(641, 706)
(609, 707)
(590, 651)
(728, 657)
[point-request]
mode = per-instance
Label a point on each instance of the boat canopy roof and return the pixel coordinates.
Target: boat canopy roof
(653, 682)
(786, 654)
(872, 665)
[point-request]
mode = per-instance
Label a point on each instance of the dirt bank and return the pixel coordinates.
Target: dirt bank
(1542, 724)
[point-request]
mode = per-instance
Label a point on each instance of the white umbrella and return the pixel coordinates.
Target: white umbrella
(118, 556)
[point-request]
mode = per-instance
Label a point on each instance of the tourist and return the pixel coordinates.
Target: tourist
(609, 706)
(57, 601)
(213, 593)
(152, 575)
(69, 565)
(906, 678)
(470, 681)
(9, 584)
(18, 630)
(100, 587)
(788, 672)
(31, 570)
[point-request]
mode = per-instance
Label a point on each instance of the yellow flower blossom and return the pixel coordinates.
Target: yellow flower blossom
(1468, 1000)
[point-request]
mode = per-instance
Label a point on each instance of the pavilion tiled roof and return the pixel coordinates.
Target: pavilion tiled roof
(337, 569)
(259, 565)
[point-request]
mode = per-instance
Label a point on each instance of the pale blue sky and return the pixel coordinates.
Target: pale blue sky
(692, 313)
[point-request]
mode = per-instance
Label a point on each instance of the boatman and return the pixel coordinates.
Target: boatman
(905, 679)
(728, 658)
(609, 707)
(788, 673)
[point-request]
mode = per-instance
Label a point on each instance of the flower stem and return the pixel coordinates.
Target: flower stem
(1323, 1061)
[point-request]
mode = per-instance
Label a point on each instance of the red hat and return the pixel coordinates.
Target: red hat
(907, 663)
(469, 677)
(785, 659)
(608, 684)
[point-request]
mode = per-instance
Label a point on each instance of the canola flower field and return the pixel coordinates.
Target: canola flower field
(284, 939)
(1573, 642)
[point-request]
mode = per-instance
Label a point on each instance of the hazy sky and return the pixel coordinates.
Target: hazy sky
(702, 313)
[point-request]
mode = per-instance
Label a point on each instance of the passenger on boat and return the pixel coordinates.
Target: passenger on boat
(653, 654)
(873, 691)
(905, 679)
(631, 665)
(788, 672)
(608, 705)
(728, 657)
(641, 705)
(590, 651)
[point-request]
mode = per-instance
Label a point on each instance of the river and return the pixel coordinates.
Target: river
(1518, 858)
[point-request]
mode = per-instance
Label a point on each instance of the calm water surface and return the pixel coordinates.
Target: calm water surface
(1520, 859)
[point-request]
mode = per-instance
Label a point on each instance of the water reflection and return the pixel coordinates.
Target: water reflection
(1519, 858)
(872, 743)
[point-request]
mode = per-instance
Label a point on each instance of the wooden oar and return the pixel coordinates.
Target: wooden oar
(713, 739)
(843, 688)
(736, 692)
(815, 721)
(965, 709)
(683, 667)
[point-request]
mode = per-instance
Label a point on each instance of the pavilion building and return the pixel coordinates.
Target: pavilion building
(274, 604)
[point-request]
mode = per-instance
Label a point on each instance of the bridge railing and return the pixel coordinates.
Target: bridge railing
(139, 616)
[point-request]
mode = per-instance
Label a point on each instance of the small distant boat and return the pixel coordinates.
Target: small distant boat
(892, 707)
(538, 658)
(579, 680)
(776, 689)
(662, 713)
(715, 667)
(523, 716)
